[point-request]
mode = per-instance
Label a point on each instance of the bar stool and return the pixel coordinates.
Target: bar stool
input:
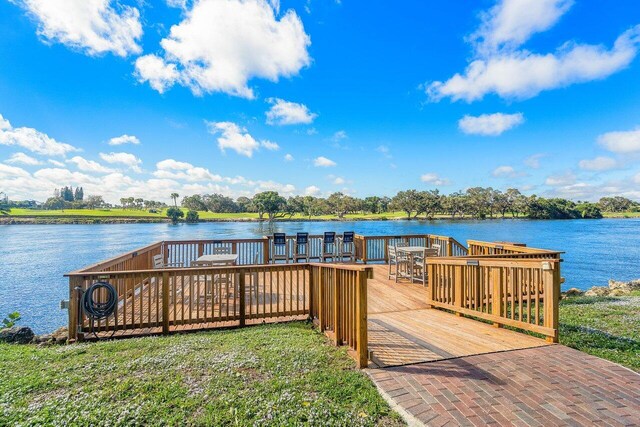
(347, 247)
(329, 246)
(279, 249)
(301, 247)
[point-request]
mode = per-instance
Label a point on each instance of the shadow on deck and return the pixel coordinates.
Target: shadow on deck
(403, 330)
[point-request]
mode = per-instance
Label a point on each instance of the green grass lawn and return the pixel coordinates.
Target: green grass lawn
(607, 327)
(282, 374)
(621, 214)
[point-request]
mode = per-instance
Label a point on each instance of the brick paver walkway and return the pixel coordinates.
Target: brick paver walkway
(545, 386)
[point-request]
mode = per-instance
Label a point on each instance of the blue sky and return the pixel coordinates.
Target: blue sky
(311, 97)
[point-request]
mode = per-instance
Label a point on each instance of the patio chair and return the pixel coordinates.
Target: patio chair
(347, 247)
(419, 267)
(158, 262)
(221, 250)
(329, 246)
(301, 247)
(438, 249)
(279, 248)
(398, 260)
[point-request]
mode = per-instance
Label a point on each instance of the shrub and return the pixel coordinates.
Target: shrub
(192, 216)
(175, 214)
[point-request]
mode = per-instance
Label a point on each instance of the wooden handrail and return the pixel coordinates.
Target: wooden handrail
(522, 293)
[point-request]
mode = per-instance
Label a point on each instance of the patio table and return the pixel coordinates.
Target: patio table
(412, 251)
(218, 259)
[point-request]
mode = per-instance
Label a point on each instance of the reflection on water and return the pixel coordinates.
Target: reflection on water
(34, 257)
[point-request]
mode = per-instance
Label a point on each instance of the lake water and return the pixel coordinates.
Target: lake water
(34, 257)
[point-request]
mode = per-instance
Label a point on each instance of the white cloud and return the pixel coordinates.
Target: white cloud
(56, 163)
(499, 67)
(339, 136)
(506, 172)
(311, 190)
(222, 44)
(510, 23)
(622, 141)
(288, 113)
(89, 165)
(338, 180)
(434, 179)
(565, 179)
(489, 124)
(7, 171)
(272, 146)
(233, 137)
(533, 161)
(160, 75)
(636, 178)
(173, 169)
(32, 140)
(126, 159)
(385, 151)
(600, 163)
(323, 162)
(92, 26)
(288, 158)
(283, 189)
(124, 139)
(22, 158)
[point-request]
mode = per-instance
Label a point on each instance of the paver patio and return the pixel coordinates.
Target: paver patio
(545, 386)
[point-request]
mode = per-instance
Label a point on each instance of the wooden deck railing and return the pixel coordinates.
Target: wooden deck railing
(250, 251)
(522, 293)
(477, 247)
(339, 305)
(138, 259)
(375, 248)
(174, 299)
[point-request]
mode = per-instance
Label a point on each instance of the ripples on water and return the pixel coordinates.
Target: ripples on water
(34, 257)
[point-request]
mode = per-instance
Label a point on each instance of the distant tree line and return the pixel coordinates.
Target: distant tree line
(476, 202)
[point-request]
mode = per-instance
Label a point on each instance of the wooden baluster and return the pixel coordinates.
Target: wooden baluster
(496, 294)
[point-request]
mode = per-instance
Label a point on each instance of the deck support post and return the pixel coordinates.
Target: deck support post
(165, 303)
(242, 300)
(361, 320)
(496, 294)
(74, 308)
(551, 284)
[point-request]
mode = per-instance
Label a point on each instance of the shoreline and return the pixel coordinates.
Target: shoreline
(89, 219)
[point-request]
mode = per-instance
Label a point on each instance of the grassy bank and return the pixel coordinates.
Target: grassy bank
(266, 375)
(607, 327)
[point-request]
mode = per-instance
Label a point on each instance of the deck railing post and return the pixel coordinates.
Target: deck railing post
(165, 303)
(74, 307)
(242, 302)
(311, 292)
(265, 250)
(551, 284)
(321, 308)
(361, 320)
(449, 247)
(496, 294)
(336, 308)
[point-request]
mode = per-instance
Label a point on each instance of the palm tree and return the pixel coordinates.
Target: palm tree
(175, 196)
